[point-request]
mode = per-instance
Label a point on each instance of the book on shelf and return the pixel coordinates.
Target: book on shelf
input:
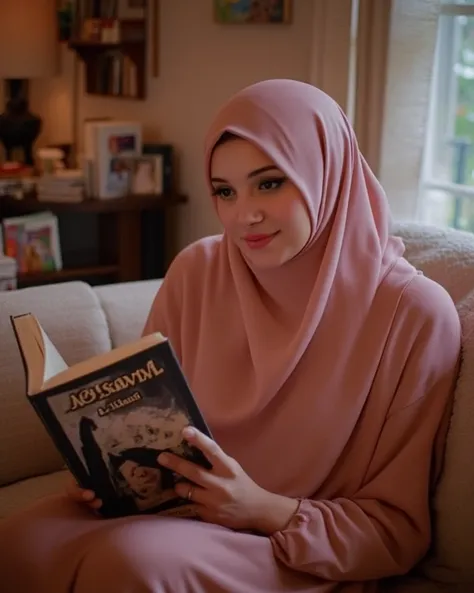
(116, 74)
(32, 240)
(65, 185)
(112, 415)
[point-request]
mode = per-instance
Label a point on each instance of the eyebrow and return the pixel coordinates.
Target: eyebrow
(251, 174)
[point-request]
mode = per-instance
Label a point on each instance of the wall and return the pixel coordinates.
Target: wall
(201, 64)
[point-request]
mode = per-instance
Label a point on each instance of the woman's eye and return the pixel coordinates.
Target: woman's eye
(225, 193)
(270, 184)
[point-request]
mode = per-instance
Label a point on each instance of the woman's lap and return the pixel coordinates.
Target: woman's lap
(56, 546)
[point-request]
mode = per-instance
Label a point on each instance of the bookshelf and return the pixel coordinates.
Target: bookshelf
(130, 236)
(37, 278)
(111, 39)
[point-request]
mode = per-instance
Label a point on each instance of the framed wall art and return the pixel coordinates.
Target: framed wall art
(253, 11)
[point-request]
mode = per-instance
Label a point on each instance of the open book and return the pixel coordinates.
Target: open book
(112, 415)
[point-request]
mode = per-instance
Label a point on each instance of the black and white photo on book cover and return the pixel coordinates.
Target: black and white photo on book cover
(118, 426)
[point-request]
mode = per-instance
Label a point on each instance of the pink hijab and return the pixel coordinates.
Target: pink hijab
(326, 293)
(266, 351)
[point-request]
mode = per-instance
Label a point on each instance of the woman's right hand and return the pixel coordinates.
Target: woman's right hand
(87, 497)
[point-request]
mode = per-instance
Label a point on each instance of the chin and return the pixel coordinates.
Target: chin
(264, 261)
(271, 256)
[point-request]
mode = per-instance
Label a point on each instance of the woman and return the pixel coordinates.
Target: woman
(322, 361)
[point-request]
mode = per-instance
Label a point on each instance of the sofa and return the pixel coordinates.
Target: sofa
(83, 321)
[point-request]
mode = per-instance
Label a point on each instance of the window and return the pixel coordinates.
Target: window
(447, 184)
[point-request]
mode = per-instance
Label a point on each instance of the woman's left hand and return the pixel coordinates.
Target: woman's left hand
(225, 494)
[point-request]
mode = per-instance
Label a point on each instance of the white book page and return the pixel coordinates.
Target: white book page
(41, 358)
(103, 360)
(54, 363)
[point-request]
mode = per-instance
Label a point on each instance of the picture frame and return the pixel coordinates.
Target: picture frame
(147, 175)
(253, 11)
(166, 153)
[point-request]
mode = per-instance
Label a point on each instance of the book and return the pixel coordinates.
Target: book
(33, 241)
(112, 415)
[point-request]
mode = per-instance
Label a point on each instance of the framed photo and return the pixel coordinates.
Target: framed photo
(166, 153)
(147, 175)
(119, 175)
(253, 11)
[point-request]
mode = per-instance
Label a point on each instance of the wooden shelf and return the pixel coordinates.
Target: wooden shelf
(129, 204)
(118, 68)
(129, 236)
(67, 274)
(80, 46)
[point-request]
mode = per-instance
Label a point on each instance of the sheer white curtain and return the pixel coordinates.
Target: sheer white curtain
(411, 52)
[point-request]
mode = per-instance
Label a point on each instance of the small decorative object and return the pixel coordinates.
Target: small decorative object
(65, 12)
(253, 11)
(147, 175)
(51, 160)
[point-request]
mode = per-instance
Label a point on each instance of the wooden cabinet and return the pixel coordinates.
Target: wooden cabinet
(126, 238)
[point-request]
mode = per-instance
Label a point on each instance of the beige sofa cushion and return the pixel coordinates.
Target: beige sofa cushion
(447, 256)
(72, 317)
(126, 308)
(444, 255)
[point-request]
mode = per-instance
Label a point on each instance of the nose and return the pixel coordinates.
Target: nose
(249, 210)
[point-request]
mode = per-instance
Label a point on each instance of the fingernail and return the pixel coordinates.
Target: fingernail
(163, 458)
(188, 431)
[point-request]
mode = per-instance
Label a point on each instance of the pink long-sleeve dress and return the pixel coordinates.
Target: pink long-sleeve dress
(361, 455)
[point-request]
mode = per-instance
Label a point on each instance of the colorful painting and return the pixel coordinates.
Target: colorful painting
(253, 11)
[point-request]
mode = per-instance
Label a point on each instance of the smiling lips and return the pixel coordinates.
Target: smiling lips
(259, 241)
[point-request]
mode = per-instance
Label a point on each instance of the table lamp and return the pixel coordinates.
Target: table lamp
(28, 50)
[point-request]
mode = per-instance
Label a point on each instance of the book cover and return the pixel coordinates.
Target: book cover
(111, 424)
(33, 241)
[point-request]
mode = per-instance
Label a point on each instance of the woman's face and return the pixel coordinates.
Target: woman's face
(144, 481)
(262, 211)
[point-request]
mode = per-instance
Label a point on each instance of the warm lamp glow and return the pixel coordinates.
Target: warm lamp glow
(28, 38)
